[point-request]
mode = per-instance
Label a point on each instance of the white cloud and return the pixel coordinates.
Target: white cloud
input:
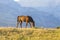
(16, 0)
(38, 3)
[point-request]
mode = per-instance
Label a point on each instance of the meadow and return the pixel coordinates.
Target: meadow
(29, 34)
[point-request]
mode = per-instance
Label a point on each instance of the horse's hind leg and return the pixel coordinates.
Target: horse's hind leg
(17, 24)
(21, 24)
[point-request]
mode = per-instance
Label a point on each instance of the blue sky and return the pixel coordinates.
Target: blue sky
(38, 3)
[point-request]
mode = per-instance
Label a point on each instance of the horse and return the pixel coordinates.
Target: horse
(27, 19)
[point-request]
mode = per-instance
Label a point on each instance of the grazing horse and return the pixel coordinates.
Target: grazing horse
(27, 19)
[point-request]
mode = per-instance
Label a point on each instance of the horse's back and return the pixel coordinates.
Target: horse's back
(22, 18)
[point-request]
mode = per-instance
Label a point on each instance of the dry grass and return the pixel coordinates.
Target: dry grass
(29, 34)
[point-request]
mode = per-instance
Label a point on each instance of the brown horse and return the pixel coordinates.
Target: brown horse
(27, 19)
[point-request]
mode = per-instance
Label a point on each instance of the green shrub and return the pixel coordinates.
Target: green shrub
(58, 27)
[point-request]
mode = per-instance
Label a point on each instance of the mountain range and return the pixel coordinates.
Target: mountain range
(10, 10)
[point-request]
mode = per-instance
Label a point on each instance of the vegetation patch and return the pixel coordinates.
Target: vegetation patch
(29, 34)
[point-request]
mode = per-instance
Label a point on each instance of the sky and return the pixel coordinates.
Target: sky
(38, 3)
(52, 6)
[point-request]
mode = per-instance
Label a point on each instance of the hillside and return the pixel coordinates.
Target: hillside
(29, 34)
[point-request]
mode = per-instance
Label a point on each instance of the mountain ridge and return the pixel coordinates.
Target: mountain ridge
(9, 13)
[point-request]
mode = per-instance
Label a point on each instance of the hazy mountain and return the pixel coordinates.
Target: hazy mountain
(9, 12)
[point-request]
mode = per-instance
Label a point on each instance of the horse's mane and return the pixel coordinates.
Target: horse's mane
(31, 18)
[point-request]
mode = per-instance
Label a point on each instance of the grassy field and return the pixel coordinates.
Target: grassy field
(29, 34)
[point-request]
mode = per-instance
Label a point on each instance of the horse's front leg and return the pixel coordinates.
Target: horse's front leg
(30, 24)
